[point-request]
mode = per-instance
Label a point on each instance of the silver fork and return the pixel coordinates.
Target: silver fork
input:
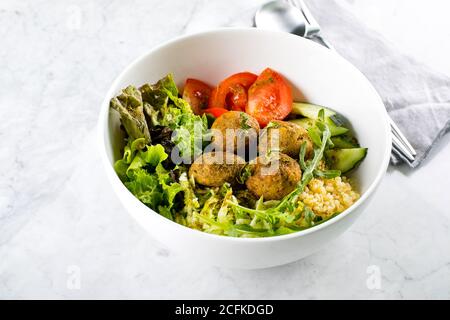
(401, 145)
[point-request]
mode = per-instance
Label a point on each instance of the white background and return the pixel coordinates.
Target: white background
(63, 234)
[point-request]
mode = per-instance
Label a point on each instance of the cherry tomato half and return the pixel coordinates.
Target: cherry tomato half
(219, 97)
(216, 112)
(237, 98)
(269, 98)
(196, 93)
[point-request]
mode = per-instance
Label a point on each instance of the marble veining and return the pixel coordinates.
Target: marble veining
(63, 234)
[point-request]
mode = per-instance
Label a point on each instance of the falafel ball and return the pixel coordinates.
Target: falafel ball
(213, 169)
(236, 120)
(287, 136)
(274, 176)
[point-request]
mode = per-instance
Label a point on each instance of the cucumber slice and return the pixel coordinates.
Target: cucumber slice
(310, 110)
(308, 123)
(305, 123)
(345, 159)
(345, 142)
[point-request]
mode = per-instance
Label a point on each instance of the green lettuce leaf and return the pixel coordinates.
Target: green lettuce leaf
(154, 155)
(191, 136)
(144, 175)
(170, 187)
(130, 106)
(163, 107)
(146, 188)
(121, 166)
(191, 201)
(161, 102)
(165, 212)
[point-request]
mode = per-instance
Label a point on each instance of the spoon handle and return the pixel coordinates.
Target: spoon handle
(323, 42)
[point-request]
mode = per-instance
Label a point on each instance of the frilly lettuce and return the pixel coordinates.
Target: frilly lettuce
(159, 105)
(163, 107)
(143, 173)
(141, 168)
(129, 104)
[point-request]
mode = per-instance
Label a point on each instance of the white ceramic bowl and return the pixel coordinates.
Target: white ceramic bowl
(317, 75)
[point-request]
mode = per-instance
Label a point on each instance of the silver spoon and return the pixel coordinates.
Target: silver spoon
(279, 15)
(282, 16)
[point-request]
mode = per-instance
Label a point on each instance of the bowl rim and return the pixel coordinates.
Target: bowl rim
(102, 128)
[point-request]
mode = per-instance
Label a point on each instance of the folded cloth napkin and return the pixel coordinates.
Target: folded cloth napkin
(416, 97)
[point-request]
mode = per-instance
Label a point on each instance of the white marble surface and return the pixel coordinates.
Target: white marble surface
(59, 218)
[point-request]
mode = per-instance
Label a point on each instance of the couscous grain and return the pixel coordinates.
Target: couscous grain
(326, 197)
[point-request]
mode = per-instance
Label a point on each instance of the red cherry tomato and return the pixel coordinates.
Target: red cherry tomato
(218, 97)
(269, 98)
(216, 112)
(196, 93)
(237, 98)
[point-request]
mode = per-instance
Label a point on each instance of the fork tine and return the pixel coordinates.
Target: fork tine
(291, 2)
(401, 148)
(312, 25)
(308, 14)
(396, 130)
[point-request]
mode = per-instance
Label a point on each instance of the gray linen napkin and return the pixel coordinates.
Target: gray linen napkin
(416, 97)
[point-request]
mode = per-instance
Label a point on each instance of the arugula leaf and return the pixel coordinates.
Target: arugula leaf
(327, 174)
(289, 209)
(308, 217)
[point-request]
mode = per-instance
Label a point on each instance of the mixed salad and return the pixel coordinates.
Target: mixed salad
(239, 159)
